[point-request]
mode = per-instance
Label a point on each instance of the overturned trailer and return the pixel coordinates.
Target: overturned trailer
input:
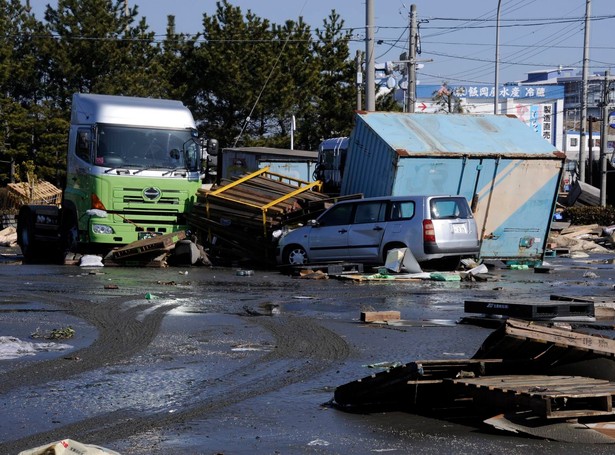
(508, 173)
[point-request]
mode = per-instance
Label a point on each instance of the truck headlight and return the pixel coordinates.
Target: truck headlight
(102, 229)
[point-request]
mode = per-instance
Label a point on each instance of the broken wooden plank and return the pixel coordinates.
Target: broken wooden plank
(380, 316)
(149, 245)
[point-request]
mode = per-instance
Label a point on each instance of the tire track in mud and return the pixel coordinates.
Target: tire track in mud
(303, 350)
(122, 331)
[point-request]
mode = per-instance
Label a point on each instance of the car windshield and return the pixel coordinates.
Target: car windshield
(120, 146)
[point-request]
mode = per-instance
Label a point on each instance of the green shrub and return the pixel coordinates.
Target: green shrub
(580, 215)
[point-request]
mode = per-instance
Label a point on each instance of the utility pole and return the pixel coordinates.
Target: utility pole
(411, 64)
(583, 137)
(497, 61)
(359, 81)
(604, 128)
(370, 82)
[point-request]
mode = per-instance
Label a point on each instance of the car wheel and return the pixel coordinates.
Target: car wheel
(295, 255)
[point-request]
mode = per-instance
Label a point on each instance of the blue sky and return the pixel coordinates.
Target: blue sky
(534, 34)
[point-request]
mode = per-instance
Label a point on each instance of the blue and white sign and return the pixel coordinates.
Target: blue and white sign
(488, 91)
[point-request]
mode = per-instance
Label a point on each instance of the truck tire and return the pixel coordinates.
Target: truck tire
(33, 250)
(69, 229)
(26, 226)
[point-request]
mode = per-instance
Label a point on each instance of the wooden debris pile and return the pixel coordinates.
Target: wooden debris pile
(539, 377)
(582, 239)
(238, 218)
(148, 252)
(14, 195)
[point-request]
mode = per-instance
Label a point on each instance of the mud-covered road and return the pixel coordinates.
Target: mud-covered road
(204, 361)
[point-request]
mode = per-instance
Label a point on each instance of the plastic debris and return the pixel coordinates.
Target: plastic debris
(69, 447)
(150, 296)
(443, 276)
(90, 260)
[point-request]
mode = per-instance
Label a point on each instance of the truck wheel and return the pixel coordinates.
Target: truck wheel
(33, 250)
(25, 234)
(69, 231)
(295, 255)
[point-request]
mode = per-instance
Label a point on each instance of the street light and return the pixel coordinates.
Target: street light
(497, 58)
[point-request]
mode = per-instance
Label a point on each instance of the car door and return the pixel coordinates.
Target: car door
(366, 231)
(328, 239)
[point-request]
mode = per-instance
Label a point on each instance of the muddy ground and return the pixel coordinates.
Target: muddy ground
(205, 361)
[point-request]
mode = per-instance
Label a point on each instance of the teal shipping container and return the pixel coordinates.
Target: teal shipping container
(509, 174)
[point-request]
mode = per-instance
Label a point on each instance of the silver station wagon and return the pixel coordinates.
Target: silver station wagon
(365, 230)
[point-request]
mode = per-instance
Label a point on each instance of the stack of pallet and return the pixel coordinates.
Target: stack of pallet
(240, 216)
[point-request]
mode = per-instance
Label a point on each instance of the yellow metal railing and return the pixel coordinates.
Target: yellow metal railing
(302, 187)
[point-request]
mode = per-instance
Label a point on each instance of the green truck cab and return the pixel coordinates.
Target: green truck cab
(134, 166)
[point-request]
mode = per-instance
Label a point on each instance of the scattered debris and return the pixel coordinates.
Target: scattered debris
(148, 252)
(8, 236)
(69, 447)
(402, 260)
(13, 348)
(313, 274)
(90, 260)
(55, 334)
(536, 377)
(533, 311)
(584, 194)
(244, 272)
(380, 316)
(580, 239)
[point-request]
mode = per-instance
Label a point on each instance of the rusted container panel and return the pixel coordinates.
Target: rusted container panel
(508, 173)
(298, 164)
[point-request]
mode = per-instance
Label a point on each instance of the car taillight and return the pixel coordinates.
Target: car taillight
(429, 233)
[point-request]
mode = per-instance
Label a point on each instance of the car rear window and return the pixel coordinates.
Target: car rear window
(449, 208)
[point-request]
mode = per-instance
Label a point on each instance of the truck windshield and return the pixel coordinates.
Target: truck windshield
(121, 146)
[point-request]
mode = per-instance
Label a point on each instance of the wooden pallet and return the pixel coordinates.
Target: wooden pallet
(551, 397)
(531, 310)
(330, 269)
(148, 246)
